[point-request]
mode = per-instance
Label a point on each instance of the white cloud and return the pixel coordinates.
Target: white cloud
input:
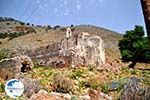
(78, 7)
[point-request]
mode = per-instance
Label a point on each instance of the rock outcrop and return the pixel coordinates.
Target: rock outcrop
(78, 50)
(14, 67)
(93, 95)
(31, 86)
(134, 91)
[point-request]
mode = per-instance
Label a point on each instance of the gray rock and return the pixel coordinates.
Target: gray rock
(132, 90)
(43, 95)
(147, 94)
(61, 95)
(31, 86)
(85, 97)
(114, 85)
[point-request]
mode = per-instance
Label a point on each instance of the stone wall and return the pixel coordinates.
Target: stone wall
(14, 67)
(79, 49)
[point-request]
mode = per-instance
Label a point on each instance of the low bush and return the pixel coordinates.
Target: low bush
(76, 74)
(4, 54)
(56, 27)
(2, 87)
(62, 84)
(11, 35)
(105, 88)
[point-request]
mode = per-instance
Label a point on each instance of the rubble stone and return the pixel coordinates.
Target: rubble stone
(14, 67)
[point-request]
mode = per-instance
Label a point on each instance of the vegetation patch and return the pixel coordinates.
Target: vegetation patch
(4, 54)
(62, 84)
(76, 74)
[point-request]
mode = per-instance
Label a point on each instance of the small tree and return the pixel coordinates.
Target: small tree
(28, 24)
(134, 47)
(49, 27)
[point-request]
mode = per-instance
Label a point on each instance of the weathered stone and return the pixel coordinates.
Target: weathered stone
(132, 90)
(114, 85)
(79, 49)
(31, 86)
(97, 95)
(147, 94)
(14, 67)
(61, 95)
(85, 97)
(43, 95)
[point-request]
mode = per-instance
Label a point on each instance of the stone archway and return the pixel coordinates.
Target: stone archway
(13, 67)
(25, 67)
(26, 64)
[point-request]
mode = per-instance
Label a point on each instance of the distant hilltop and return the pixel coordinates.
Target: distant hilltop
(8, 19)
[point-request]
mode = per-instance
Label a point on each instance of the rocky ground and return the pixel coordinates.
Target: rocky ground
(110, 81)
(81, 83)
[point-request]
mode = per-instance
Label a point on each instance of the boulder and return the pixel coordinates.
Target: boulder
(85, 97)
(14, 67)
(84, 49)
(64, 96)
(97, 95)
(134, 91)
(31, 86)
(43, 95)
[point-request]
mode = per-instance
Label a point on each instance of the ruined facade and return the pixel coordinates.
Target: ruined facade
(82, 49)
(14, 67)
(79, 49)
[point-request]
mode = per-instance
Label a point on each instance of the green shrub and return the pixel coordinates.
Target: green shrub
(76, 74)
(3, 35)
(121, 84)
(133, 72)
(74, 98)
(105, 88)
(56, 27)
(94, 85)
(4, 54)
(2, 87)
(84, 84)
(12, 35)
(16, 34)
(134, 47)
(89, 83)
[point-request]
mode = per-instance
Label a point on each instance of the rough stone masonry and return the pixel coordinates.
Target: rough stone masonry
(13, 67)
(80, 49)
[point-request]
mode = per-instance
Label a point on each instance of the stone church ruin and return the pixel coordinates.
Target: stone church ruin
(14, 67)
(78, 49)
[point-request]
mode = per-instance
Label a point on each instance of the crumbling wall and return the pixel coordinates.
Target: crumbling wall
(79, 49)
(14, 67)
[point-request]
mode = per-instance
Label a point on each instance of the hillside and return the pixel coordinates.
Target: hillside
(110, 81)
(44, 35)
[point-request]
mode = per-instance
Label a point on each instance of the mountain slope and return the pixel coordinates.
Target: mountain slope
(45, 36)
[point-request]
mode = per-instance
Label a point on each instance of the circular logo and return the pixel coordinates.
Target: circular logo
(14, 88)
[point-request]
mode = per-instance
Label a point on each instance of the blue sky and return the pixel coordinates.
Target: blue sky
(116, 15)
